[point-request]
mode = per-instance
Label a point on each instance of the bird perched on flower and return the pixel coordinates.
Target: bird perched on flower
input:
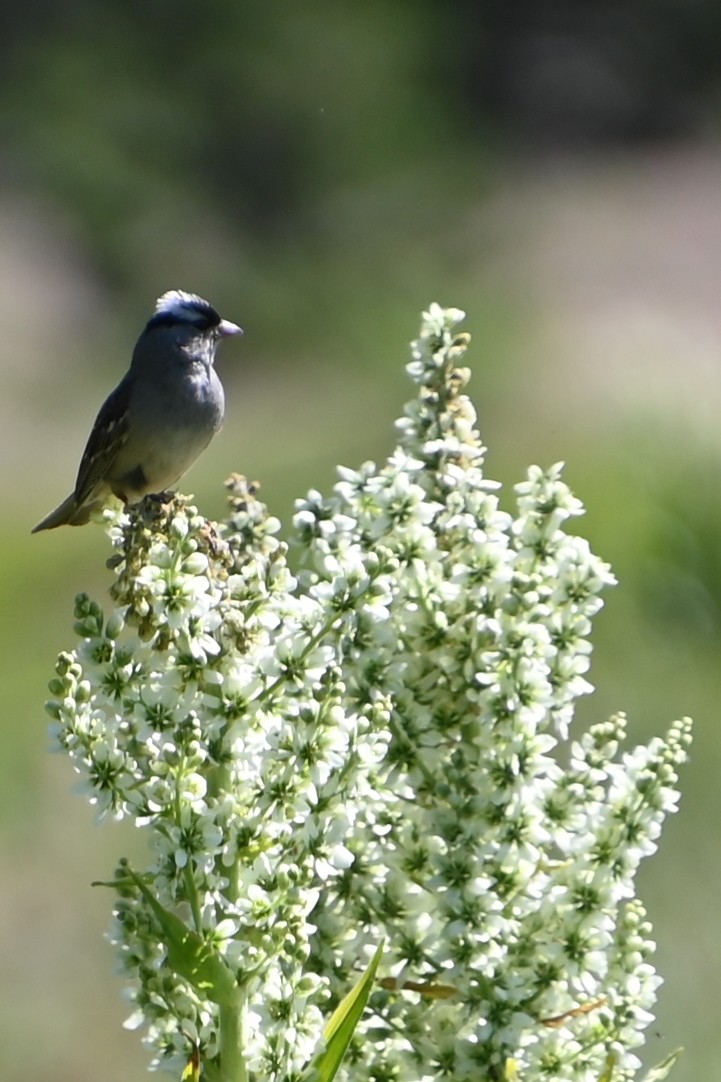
(162, 414)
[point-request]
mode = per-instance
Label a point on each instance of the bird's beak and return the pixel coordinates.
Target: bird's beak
(225, 327)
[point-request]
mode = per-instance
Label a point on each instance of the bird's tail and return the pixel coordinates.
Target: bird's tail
(67, 514)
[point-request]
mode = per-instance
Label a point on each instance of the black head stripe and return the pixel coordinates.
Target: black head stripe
(203, 321)
(195, 313)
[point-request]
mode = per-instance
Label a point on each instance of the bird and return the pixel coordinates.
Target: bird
(163, 413)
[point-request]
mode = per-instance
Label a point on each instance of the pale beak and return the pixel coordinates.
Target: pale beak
(225, 327)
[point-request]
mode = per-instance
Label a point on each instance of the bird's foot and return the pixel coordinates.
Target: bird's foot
(156, 506)
(162, 499)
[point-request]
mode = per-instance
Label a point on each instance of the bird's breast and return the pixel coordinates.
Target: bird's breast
(169, 429)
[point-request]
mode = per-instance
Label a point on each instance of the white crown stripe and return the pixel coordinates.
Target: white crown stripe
(181, 304)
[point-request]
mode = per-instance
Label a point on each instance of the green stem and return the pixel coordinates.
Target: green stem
(231, 1064)
(192, 892)
(233, 1042)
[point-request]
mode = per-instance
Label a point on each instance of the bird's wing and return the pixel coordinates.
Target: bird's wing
(109, 433)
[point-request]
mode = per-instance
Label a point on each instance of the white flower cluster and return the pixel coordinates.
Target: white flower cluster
(498, 863)
(209, 706)
(375, 749)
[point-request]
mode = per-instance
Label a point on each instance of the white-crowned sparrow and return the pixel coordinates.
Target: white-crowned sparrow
(161, 415)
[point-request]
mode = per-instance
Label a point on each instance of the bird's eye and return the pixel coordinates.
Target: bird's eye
(204, 318)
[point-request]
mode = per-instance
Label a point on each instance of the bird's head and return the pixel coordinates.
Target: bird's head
(176, 308)
(189, 322)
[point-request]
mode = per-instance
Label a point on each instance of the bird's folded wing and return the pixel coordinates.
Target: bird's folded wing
(109, 433)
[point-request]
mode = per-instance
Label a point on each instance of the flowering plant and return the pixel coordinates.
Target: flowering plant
(373, 749)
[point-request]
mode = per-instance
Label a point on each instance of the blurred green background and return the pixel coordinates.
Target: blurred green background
(321, 172)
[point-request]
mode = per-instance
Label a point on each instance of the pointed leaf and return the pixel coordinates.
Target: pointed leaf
(662, 1069)
(607, 1072)
(341, 1025)
(190, 956)
(192, 1070)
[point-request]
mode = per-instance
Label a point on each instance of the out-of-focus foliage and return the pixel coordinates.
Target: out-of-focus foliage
(161, 121)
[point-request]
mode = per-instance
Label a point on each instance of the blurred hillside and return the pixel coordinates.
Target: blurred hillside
(322, 172)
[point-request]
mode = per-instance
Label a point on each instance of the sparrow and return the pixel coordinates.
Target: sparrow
(162, 414)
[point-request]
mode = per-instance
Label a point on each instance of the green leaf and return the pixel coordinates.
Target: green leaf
(662, 1069)
(341, 1026)
(190, 956)
(192, 1070)
(610, 1066)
